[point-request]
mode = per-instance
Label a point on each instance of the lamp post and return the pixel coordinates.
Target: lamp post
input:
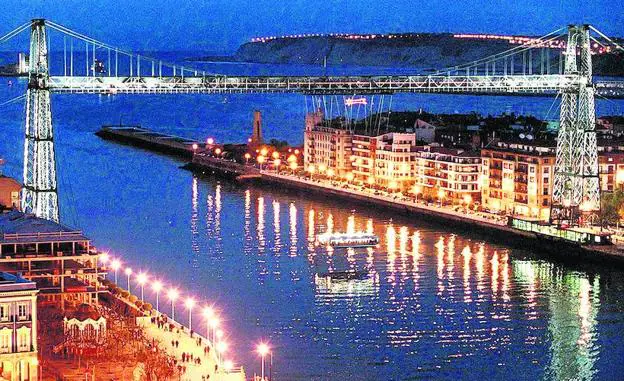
(141, 279)
(260, 159)
(293, 165)
(441, 195)
(103, 258)
(128, 272)
(173, 295)
(276, 164)
(214, 323)
(207, 312)
(157, 286)
(247, 157)
(221, 348)
(189, 303)
(263, 349)
(195, 146)
(115, 265)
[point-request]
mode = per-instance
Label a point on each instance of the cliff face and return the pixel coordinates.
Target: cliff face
(427, 51)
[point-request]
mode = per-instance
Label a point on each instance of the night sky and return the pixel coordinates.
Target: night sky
(222, 25)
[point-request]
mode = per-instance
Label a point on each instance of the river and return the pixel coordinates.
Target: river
(433, 304)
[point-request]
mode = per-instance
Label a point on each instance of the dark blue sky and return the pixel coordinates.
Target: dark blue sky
(222, 25)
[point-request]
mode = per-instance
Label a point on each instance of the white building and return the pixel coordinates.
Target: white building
(395, 158)
(18, 328)
(425, 132)
(326, 147)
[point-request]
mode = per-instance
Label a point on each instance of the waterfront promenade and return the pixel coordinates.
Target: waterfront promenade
(196, 356)
(487, 223)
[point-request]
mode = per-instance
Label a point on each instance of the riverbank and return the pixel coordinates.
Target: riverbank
(494, 227)
(486, 224)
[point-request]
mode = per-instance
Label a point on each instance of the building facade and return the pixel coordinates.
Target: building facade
(60, 260)
(9, 193)
(18, 328)
(611, 167)
(517, 178)
(326, 147)
(395, 158)
(449, 174)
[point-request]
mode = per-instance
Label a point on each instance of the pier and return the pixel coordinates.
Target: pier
(151, 140)
(201, 159)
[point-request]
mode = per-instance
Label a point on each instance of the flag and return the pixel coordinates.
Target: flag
(355, 101)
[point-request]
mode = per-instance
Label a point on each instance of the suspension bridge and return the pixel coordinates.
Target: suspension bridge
(529, 69)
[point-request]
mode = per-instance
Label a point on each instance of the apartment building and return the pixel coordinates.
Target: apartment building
(517, 178)
(326, 147)
(395, 158)
(449, 174)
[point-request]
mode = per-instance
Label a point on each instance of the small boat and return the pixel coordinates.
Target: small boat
(348, 239)
(344, 275)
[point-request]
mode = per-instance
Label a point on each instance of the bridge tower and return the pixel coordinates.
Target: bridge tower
(576, 192)
(40, 193)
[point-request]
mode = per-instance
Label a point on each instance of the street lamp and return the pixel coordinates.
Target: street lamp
(293, 166)
(275, 155)
(173, 295)
(276, 164)
(228, 365)
(128, 272)
(141, 279)
(214, 323)
(189, 303)
(263, 349)
(157, 286)
(261, 159)
(103, 258)
(247, 157)
(441, 195)
(195, 146)
(221, 348)
(207, 312)
(210, 141)
(467, 200)
(115, 265)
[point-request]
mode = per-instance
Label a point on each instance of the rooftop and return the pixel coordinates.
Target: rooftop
(18, 227)
(10, 282)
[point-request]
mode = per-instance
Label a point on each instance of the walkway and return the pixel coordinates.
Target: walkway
(176, 340)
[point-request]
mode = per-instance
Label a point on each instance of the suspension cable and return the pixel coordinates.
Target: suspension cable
(517, 49)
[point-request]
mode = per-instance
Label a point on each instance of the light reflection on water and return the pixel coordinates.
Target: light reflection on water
(429, 303)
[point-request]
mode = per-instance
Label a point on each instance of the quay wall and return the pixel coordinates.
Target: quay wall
(498, 232)
(150, 142)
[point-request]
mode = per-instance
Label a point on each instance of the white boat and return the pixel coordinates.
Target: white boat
(348, 239)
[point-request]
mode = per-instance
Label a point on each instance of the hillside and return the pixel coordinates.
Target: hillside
(424, 51)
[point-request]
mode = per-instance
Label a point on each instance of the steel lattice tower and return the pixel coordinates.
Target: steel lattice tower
(576, 185)
(40, 193)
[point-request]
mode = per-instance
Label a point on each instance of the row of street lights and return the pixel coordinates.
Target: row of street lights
(213, 332)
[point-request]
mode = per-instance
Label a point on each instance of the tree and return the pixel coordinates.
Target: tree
(612, 207)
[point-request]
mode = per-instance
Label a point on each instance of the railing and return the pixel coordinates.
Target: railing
(61, 234)
(501, 84)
